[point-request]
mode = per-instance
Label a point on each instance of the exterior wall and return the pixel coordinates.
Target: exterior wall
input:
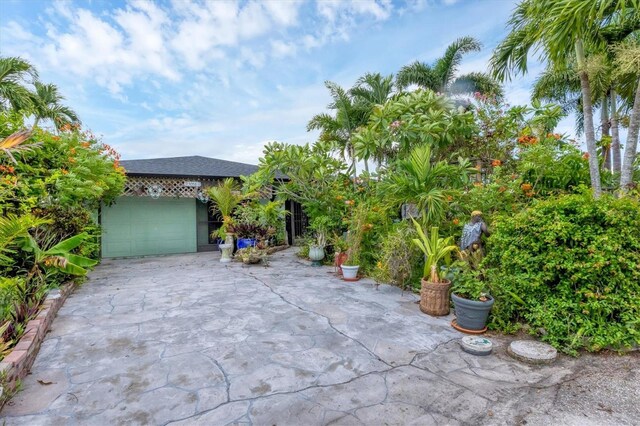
(141, 226)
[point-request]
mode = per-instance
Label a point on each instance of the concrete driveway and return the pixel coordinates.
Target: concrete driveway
(184, 339)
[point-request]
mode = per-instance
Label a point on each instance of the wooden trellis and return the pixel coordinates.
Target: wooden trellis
(165, 187)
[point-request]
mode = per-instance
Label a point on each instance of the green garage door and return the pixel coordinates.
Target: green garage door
(142, 226)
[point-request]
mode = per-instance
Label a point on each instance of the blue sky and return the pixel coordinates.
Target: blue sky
(219, 79)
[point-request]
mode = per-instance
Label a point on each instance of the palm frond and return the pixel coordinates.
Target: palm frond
(417, 73)
(446, 67)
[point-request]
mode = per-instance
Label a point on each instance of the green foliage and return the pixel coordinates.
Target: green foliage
(226, 196)
(569, 267)
(399, 261)
(49, 194)
(411, 119)
(425, 183)
(434, 248)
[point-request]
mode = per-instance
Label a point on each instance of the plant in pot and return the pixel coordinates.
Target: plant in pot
(225, 197)
(319, 225)
(471, 300)
(355, 234)
(434, 293)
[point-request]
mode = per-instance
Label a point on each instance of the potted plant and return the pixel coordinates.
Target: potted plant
(434, 293)
(319, 225)
(251, 255)
(471, 300)
(225, 197)
(354, 243)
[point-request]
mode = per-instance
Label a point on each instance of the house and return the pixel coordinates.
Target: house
(164, 208)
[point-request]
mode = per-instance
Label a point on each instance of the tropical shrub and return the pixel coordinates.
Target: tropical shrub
(399, 260)
(569, 269)
(51, 187)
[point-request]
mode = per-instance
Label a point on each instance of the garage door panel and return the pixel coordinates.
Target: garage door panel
(139, 226)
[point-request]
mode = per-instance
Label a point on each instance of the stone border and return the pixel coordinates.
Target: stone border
(17, 364)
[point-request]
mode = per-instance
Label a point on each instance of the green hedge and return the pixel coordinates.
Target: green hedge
(569, 268)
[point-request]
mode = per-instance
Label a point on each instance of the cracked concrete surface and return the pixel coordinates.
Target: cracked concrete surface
(186, 340)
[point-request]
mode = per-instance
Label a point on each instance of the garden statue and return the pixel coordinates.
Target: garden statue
(472, 233)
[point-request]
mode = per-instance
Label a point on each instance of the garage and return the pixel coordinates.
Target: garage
(141, 226)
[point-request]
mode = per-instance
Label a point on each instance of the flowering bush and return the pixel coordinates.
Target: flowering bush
(569, 269)
(51, 187)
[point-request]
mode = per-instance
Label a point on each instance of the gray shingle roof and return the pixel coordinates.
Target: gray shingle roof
(187, 166)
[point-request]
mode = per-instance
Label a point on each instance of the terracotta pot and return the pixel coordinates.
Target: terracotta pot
(434, 297)
(340, 258)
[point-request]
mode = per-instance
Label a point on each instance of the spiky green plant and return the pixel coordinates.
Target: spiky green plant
(435, 249)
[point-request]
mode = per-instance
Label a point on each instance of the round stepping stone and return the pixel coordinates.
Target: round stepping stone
(532, 352)
(476, 345)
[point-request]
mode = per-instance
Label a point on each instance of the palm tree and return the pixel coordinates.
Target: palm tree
(46, 105)
(426, 183)
(225, 197)
(441, 76)
(560, 29)
(337, 129)
(14, 73)
(369, 91)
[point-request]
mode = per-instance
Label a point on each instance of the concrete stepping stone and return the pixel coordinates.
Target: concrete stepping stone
(476, 345)
(532, 352)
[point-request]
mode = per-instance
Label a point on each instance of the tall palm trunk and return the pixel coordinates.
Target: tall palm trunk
(615, 135)
(606, 125)
(589, 133)
(630, 152)
(366, 165)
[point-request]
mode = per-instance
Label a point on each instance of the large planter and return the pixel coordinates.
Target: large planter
(246, 242)
(316, 254)
(227, 251)
(434, 298)
(350, 273)
(471, 314)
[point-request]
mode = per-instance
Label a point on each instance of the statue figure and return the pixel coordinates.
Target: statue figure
(472, 233)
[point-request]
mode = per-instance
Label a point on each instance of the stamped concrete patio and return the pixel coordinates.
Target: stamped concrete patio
(186, 340)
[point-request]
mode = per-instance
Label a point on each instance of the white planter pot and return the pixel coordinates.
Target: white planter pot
(226, 250)
(350, 272)
(316, 253)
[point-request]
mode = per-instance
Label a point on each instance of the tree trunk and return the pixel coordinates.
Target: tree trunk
(366, 166)
(631, 150)
(606, 141)
(615, 135)
(587, 109)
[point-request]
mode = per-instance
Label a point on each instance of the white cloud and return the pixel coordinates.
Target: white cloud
(281, 49)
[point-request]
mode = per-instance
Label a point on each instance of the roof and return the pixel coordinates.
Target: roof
(187, 166)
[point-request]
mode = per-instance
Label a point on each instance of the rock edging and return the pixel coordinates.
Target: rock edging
(17, 364)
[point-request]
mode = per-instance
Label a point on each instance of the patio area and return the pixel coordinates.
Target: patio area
(185, 339)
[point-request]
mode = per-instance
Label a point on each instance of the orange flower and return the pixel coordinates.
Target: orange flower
(55, 138)
(72, 150)
(64, 171)
(502, 189)
(449, 198)
(526, 187)
(496, 163)
(339, 197)
(456, 221)
(85, 144)
(529, 194)
(72, 160)
(585, 155)
(478, 184)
